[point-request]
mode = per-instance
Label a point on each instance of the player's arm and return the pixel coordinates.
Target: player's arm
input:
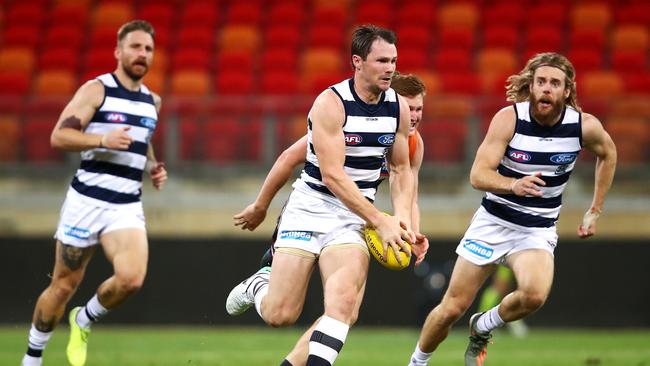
(598, 141)
(253, 215)
(68, 133)
(421, 246)
(401, 175)
(155, 168)
(329, 144)
(484, 175)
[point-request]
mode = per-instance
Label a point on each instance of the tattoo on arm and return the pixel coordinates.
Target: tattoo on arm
(71, 122)
(72, 256)
(44, 325)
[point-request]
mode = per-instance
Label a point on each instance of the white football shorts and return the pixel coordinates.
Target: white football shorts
(311, 223)
(489, 239)
(81, 224)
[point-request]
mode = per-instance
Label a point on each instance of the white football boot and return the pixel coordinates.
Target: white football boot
(242, 296)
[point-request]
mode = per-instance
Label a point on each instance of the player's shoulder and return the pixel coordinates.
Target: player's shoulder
(92, 91)
(157, 100)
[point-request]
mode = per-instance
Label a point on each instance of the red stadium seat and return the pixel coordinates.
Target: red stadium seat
(27, 13)
(631, 37)
(586, 59)
(10, 132)
(590, 15)
(192, 58)
(69, 15)
(239, 37)
(21, 36)
(112, 14)
(328, 36)
(379, 13)
(55, 83)
(13, 84)
(221, 139)
(414, 36)
(56, 58)
(16, 59)
(587, 38)
(330, 15)
(190, 143)
(458, 15)
(37, 147)
(455, 59)
(445, 140)
(506, 36)
(547, 14)
(460, 38)
(238, 61)
(199, 13)
(196, 37)
(289, 13)
(158, 14)
(542, 39)
(248, 13)
(463, 83)
(418, 13)
(503, 13)
(279, 59)
(282, 36)
(103, 36)
(190, 83)
(637, 83)
(629, 61)
(633, 13)
(234, 83)
(279, 83)
(65, 36)
(412, 59)
(100, 59)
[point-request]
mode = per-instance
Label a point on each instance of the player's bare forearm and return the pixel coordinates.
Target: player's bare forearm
(604, 176)
(69, 137)
(402, 194)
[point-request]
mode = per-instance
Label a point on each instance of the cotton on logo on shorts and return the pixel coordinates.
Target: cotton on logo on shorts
(296, 235)
(76, 232)
(478, 249)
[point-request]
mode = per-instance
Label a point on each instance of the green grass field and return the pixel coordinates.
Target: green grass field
(162, 346)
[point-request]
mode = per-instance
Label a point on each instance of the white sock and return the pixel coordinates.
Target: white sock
(92, 312)
(37, 341)
(489, 321)
(419, 358)
(326, 341)
(260, 286)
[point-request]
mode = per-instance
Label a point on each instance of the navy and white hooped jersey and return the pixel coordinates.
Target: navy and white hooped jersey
(114, 177)
(369, 131)
(553, 151)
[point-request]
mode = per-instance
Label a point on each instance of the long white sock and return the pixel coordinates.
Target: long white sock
(259, 286)
(326, 341)
(37, 341)
(419, 358)
(91, 313)
(489, 321)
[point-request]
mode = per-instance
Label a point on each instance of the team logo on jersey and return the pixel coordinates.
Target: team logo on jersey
(474, 247)
(115, 117)
(76, 232)
(353, 139)
(147, 122)
(564, 158)
(386, 139)
(295, 235)
(519, 156)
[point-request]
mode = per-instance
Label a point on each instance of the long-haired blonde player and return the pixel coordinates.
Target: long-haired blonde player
(523, 165)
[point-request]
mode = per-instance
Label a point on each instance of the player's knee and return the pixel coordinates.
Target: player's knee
(281, 317)
(130, 283)
(64, 289)
(451, 311)
(533, 300)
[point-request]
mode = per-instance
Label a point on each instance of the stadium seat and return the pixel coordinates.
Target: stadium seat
(239, 61)
(221, 139)
(55, 83)
(155, 81)
(637, 83)
(199, 13)
(59, 58)
(190, 83)
(591, 38)
(379, 13)
(506, 36)
(315, 83)
(10, 132)
(547, 14)
(458, 15)
(416, 13)
(279, 83)
(452, 59)
(637, 12)
(457, 38)
(631, 37)
(191, 59)
(600, 84)
(508, 13)
(278, 59)
(630, 106)
(16, 59)
(158, 14)
(234, 83)
(286, 13)
(29, 14)
(635, 132)
(445, 140)
(431, 81)
(282, 36)
(321, 60)
(326, 36)
(463, 83)
(496, 60)
(586, 59)
(412, 59)
(629, 60)
(103, 36)
(160, 60)
(329, 15)
(69, 15)
(68, 36)
(246, 13)
(590, 15)
(100, 59)
(37, 147)
(21, 36)
(415, 36)
(112, 14)
(196, 37)
(540, 40)
(13, 84)
(239, 37)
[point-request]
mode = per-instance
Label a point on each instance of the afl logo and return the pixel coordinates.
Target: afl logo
(563, 158)
(353, 139)
(115, 117)
(519, 156)
(386, 139)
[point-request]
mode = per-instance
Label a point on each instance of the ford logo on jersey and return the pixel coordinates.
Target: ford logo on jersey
(386, 139)
(519, 156)
(353, 139)
(149, 123)
(115, 117)
(563, 158)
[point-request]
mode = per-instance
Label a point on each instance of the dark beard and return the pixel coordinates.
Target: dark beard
(548, 119)
(129, 72)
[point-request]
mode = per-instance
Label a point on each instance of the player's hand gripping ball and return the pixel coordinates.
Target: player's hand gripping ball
(377, 249)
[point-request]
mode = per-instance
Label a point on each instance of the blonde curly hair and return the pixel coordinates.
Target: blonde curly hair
(518, 87)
